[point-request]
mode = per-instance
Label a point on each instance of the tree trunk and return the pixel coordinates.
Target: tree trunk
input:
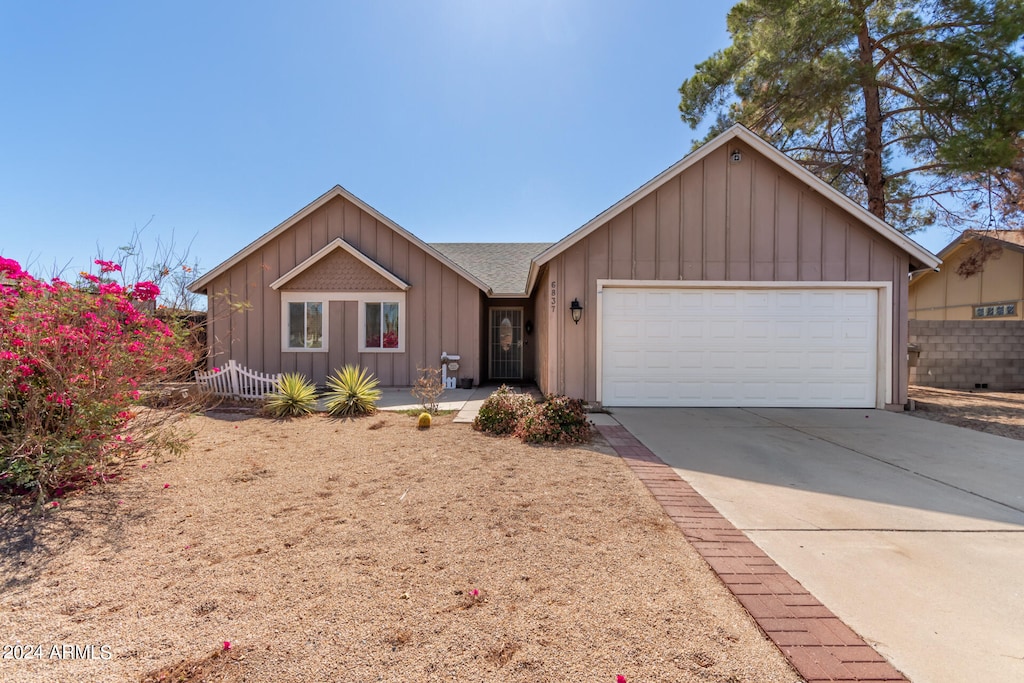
(874, 178)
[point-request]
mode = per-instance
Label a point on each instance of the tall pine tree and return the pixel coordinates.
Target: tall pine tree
(914, 108)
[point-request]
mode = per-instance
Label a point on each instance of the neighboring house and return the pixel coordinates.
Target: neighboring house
(734, 278)
(982, 278)
(966, 323)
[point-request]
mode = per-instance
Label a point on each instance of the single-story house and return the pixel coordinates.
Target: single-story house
(982, 278)
(733, 278)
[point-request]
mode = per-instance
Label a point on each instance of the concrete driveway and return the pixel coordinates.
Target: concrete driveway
(911, 531)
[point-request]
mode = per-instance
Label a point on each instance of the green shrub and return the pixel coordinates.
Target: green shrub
(295, 396)
(352, 391)
(558, 419)
(502, 410)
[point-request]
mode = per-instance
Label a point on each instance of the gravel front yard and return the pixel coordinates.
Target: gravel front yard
(365, 550)
(989, 411)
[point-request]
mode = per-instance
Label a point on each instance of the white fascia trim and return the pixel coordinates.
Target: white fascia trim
(744, 284)
(337, 191)
(339, 243)
(883, 368)
(755, 141)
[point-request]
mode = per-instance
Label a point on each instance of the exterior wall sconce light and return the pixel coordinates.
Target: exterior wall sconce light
(736, 156)
(576, 310)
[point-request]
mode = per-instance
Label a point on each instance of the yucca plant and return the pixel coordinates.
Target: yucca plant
(295, 396)
(352, 391)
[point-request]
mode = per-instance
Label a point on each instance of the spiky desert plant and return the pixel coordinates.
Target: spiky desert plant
(352, 391)
(295, 396)
(424, 421)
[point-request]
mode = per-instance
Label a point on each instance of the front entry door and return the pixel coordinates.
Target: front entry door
(506, 343)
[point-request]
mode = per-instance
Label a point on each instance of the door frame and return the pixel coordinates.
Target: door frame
(490, 340)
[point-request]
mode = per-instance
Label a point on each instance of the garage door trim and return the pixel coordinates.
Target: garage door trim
(883, 372)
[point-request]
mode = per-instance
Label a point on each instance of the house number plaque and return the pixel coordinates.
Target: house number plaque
(554, 295)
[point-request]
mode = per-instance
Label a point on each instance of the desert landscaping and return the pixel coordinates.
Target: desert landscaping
(367, 550)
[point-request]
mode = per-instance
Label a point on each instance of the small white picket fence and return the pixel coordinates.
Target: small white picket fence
(234, 381)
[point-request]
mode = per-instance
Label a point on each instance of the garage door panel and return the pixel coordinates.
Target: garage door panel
(761, 347)
(658, 329)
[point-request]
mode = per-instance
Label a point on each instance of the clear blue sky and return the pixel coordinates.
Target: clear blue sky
(463, 120)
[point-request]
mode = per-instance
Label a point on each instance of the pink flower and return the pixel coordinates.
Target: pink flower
(145, 291)
(620, 679)
(474, 592)
(10, 266)
(167, 486)
(227, 644)
(108, 266)
(55, 504)
(143, 465)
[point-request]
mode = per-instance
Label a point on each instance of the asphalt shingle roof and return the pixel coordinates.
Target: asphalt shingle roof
(503, 266)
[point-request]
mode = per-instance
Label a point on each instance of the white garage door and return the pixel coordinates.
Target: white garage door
(739, 347)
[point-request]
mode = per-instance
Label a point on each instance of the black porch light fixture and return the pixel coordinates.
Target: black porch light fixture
(576, 310)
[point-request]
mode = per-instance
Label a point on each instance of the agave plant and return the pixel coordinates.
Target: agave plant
(352, 391)
(295, 396)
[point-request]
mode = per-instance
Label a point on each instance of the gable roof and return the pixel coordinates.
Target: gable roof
(504, 266)
(331, 247)
(203, 282)
(917, 253)
(1008, 239)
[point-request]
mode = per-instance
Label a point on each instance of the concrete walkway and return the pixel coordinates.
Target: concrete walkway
(466, 401)
(910, 531)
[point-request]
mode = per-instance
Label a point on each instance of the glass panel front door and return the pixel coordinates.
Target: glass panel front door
(506, 343)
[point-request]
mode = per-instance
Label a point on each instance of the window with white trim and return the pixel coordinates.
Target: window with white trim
(382, 329)
(305, 325)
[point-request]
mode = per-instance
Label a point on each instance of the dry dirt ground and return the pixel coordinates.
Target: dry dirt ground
(987, 411)
(329, 550)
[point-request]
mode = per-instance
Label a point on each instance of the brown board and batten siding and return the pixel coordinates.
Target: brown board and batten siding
(716, 221)
(442, 307)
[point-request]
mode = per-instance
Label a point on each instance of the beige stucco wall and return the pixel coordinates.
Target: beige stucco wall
(442, 307)
(947, 296)
(716, 221)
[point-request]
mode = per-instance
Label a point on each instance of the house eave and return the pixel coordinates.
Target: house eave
(918, 253)
(202, 283)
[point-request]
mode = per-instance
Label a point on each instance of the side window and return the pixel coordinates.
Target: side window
(305, 325)
(382, 325)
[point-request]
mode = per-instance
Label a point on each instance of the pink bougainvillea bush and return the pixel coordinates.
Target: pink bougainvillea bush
(72, 363)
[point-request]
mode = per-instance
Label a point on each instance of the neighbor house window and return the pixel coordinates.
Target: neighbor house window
(306, 325)
(995, 310)
(382, 330)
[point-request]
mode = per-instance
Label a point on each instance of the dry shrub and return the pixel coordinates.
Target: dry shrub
(502, 411)
(559, 419)
(428, 389)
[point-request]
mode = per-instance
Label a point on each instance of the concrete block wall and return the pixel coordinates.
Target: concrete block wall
(961, 354)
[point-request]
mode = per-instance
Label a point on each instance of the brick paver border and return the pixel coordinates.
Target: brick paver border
(818, 644)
